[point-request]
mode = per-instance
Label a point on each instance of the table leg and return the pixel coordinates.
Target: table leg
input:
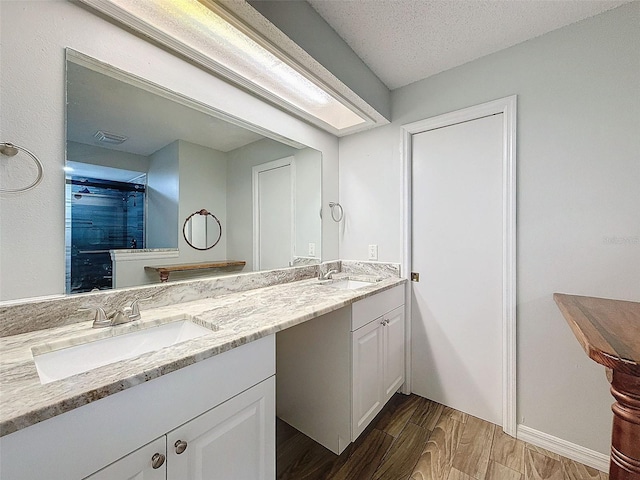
(625, 438)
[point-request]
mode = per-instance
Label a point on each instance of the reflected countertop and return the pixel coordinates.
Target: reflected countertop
(235, 319)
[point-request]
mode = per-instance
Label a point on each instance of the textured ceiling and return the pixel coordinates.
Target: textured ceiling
(403, 41)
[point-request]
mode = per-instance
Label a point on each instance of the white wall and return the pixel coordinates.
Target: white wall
(33, 36)
(578, 171)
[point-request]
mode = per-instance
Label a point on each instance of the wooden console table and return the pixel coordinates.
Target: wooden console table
(609, 332)
(165, 270)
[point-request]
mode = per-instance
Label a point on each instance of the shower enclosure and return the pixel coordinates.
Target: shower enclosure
(101, 215)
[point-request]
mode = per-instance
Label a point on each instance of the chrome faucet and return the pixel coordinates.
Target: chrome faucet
(120, 316)
(327, 276)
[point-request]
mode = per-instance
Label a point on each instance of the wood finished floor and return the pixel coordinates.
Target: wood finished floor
(417, 439)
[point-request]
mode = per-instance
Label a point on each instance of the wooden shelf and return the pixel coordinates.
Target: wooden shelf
(609, 332)
(165, 270)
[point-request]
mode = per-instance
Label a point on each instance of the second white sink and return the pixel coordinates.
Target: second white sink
(350, 284)
(65, 362)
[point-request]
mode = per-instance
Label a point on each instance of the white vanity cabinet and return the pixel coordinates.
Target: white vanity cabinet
(234, 440)
(394, 351)
(367, 395)
(223, 407)
(146, 463)
(378, 366)
(335, 373)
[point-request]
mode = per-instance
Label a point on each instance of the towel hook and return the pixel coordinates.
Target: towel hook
(11, 150)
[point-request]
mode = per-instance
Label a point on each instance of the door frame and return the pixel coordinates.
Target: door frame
(507, 106)
(256, 170)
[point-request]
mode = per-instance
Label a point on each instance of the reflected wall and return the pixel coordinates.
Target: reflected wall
(33, 115)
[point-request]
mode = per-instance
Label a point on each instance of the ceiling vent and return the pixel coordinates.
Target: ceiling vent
(112, 138)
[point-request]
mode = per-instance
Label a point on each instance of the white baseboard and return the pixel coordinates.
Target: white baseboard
(564, 448)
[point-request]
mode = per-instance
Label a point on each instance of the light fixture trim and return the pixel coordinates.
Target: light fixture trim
(354, 114)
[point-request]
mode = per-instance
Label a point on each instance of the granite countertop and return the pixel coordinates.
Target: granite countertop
(235, 319)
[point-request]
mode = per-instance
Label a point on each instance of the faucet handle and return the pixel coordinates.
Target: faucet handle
(135, 308)
(120, 316)
(100, 319)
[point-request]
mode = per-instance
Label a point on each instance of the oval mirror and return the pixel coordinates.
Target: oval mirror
(202, 230)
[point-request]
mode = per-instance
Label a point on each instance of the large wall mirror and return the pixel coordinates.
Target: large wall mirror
(141, 159)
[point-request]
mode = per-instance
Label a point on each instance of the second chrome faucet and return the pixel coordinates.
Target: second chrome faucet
(326, 276)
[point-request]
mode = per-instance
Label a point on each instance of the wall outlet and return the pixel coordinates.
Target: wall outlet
(312, 249)
(373, 252)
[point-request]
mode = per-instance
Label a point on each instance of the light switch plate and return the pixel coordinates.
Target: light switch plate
(373, 252)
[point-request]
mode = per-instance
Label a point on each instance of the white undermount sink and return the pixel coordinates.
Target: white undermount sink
(65, 362)
(349, 284)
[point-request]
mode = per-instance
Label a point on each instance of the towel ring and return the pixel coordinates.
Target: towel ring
(11, 150)
(333, 206)
(186, 231)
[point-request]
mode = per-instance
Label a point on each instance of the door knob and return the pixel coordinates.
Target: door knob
(181, 446)
(157, 460)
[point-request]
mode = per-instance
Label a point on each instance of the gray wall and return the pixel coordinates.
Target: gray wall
(578, 172)
(308, 193)
(302, 24)
(163, 196)
(203, 184)
(240, 193)
(81, 152)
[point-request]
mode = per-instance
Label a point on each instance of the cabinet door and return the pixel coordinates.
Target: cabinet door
(367, 372)
(146, 463)
(393, 358)
(233, 441)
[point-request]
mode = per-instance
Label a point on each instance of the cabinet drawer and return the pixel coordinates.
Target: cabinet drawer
(370, 308)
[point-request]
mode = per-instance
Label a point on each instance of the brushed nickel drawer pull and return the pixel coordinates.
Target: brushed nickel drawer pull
(181, 446)
(157, 460)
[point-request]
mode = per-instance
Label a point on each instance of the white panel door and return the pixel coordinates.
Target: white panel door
(146, 463)
(273, 215)
(233, 441)
(367, 373)
(457, 249)
(393, 348)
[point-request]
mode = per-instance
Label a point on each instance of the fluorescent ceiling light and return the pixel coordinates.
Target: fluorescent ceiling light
(201, 29)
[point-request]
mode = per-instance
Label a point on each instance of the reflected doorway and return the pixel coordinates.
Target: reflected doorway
(273, 213)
